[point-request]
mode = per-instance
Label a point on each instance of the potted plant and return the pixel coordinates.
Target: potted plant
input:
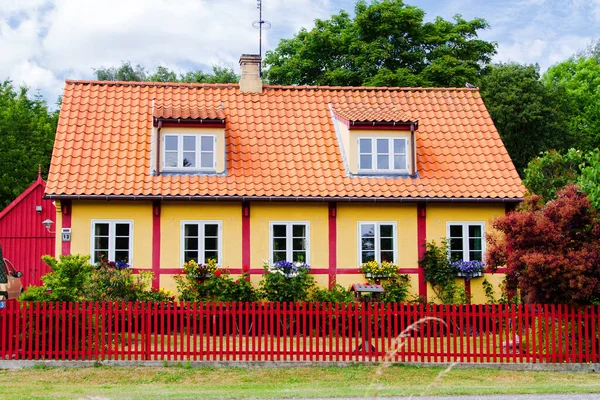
(376, 270)
(468, 269)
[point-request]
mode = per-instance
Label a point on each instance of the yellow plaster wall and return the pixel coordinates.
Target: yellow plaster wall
(439, 214)
(437, 217)
(219, 143)
(140, 212)
(261, 214)
(348, 217)
(478, 292)
(230, 215)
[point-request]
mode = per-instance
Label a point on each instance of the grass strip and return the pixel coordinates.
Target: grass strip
(185, 382)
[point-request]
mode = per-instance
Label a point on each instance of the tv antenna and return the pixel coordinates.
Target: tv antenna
(261, 25)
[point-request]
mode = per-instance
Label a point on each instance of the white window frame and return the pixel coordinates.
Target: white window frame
(111, 238)
(289, 239)
(201, 224)
(198, 152)
(465, 228)
(390, 155)
(378, 239)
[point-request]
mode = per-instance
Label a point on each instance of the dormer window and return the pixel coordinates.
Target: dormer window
(189, 152)
(377, 139)
(190, 140)
(384, 155)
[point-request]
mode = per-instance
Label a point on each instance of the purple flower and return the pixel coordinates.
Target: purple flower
(121, 265)
(468, 269)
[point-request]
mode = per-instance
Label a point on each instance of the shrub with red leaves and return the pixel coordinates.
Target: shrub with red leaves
(551, 251)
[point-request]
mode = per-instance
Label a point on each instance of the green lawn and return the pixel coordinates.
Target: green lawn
(234, 383)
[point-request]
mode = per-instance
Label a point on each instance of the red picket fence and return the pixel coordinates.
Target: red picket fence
(299, 332)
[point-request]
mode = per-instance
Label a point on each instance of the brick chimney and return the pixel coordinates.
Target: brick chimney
(251, 81)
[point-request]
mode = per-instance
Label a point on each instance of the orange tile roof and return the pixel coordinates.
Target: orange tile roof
(371, 113)
(281, 143)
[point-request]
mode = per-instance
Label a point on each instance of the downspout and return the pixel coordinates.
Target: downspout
(413, 146)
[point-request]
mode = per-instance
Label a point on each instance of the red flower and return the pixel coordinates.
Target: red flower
(246, 268)
(218, 273)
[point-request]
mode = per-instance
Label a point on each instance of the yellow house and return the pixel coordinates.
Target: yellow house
(160, 173)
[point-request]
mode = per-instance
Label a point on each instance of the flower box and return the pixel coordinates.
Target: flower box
(468, 269)
(375, 270)
(473, 275)
(369, 275)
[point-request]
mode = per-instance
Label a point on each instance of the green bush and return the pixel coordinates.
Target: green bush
(207, 282)
(396, 289)
(286, 282)
(337, 294)
(73, 278)
(66, 281)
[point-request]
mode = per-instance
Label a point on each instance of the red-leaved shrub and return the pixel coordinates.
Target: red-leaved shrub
(551, 251)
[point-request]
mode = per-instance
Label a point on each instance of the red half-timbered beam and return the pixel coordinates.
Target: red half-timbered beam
(332, 244)
(65, 207)
(156, 207)
(246, 237)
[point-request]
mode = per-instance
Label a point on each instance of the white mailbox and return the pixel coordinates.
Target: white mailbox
(66, 234)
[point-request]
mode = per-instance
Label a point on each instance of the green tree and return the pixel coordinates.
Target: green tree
(27, 130)
(579, 79)
(128, 72)
(387, 43)
(528, 115)
(546, 175)
(125, 72)
(551, 171)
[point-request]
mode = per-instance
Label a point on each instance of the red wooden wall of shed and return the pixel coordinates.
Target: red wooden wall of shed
(23, 238)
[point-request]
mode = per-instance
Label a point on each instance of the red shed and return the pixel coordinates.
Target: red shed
(23, 237)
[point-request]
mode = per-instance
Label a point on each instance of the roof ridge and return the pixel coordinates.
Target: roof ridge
(136, 83)
(269, 87)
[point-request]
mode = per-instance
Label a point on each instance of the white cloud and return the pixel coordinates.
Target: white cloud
(45, 41)
(68, 38)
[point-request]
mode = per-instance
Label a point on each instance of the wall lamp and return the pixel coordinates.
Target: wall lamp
(48, 223)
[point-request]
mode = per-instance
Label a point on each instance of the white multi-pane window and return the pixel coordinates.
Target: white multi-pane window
(377, 241)
(466, 240)
(382, 154)
(289, 241)
(189, 152)
(201, 241)
(112, 239)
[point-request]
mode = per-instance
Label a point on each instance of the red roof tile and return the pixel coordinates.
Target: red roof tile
(281, 142)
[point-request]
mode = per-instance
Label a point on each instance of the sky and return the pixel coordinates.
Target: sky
(44, 42)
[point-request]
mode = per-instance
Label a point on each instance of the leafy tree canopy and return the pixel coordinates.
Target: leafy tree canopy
(386, 44)
(548, 174)
(128, 72)
(551, 251)
(27, 130)
(551, 171)
(579, 80)
(528, 115)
